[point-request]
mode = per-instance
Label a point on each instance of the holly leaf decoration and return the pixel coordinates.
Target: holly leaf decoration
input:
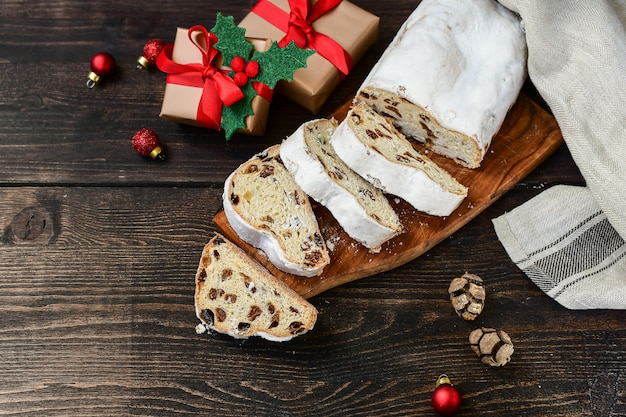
(280, 63)
(275, 64)
(231, 39)
(234, 116)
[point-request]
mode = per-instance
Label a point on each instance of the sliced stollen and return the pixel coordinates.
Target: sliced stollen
(450, 75)
(369, 144)
(268, 210)
(237, 296)
(361, 209)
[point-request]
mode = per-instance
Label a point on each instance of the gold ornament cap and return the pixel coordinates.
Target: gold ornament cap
(93, 79)
(443, 380)
(157, 153)
(142, 62)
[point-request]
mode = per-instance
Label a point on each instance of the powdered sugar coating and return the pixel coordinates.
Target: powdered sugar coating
(463, 61)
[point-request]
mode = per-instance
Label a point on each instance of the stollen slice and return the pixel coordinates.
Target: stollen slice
(235, 295)
(268, 210)
(361, 209)
(369, 144)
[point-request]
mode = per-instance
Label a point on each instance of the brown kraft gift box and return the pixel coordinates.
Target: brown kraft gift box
(180, 102)
(352, 27)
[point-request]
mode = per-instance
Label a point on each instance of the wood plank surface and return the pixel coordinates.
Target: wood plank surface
(99, 247)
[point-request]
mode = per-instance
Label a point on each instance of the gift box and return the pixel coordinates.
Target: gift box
(183, 96)
(342, 33)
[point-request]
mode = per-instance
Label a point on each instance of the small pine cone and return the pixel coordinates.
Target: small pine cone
(494, 347)
(467, 294)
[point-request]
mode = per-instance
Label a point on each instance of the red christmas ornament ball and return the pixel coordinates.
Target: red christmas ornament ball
(151, 51)
(102, 65)
(445, 399)
(147, 143)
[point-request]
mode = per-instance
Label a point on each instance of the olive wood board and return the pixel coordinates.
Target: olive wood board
(527, 137)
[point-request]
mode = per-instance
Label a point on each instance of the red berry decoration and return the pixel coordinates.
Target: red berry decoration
(252, 69)
(151, 51)
(446, 399)
(147, 143)
(102, 65)
(238, 64)
(240, 78)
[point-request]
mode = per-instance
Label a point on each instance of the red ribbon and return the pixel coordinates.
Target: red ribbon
(217, 88)
(263, 90)
(297, 25)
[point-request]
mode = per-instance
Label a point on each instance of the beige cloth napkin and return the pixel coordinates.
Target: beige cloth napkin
(570, 240)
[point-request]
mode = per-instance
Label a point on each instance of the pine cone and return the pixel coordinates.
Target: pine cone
(467, 294)
(494, 347)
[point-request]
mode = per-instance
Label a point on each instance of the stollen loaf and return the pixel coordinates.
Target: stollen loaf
(235, 295)
(369, 144)
(361, 209)
(268, 210)
(450, 75)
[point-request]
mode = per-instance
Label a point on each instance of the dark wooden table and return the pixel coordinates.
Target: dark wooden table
(99, 247)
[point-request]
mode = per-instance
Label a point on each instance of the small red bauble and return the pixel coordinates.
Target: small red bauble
(240, 78)
(252, 69)
(238, 64)
(102, 65)
(147, 143)
(446, 399)
(151, 51)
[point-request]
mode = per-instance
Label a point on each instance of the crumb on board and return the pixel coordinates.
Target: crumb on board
(331, 242)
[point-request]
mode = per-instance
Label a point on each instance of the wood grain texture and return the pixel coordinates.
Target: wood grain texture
(527, 137)
(104, 310)
(99, 247)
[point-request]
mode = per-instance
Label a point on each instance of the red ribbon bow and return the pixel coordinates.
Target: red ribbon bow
(217, 88)
(297, 25)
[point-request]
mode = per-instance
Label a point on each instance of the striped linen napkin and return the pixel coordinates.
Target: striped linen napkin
(570, 240)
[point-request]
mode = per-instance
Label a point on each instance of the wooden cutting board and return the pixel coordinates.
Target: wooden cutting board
(528, 136)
